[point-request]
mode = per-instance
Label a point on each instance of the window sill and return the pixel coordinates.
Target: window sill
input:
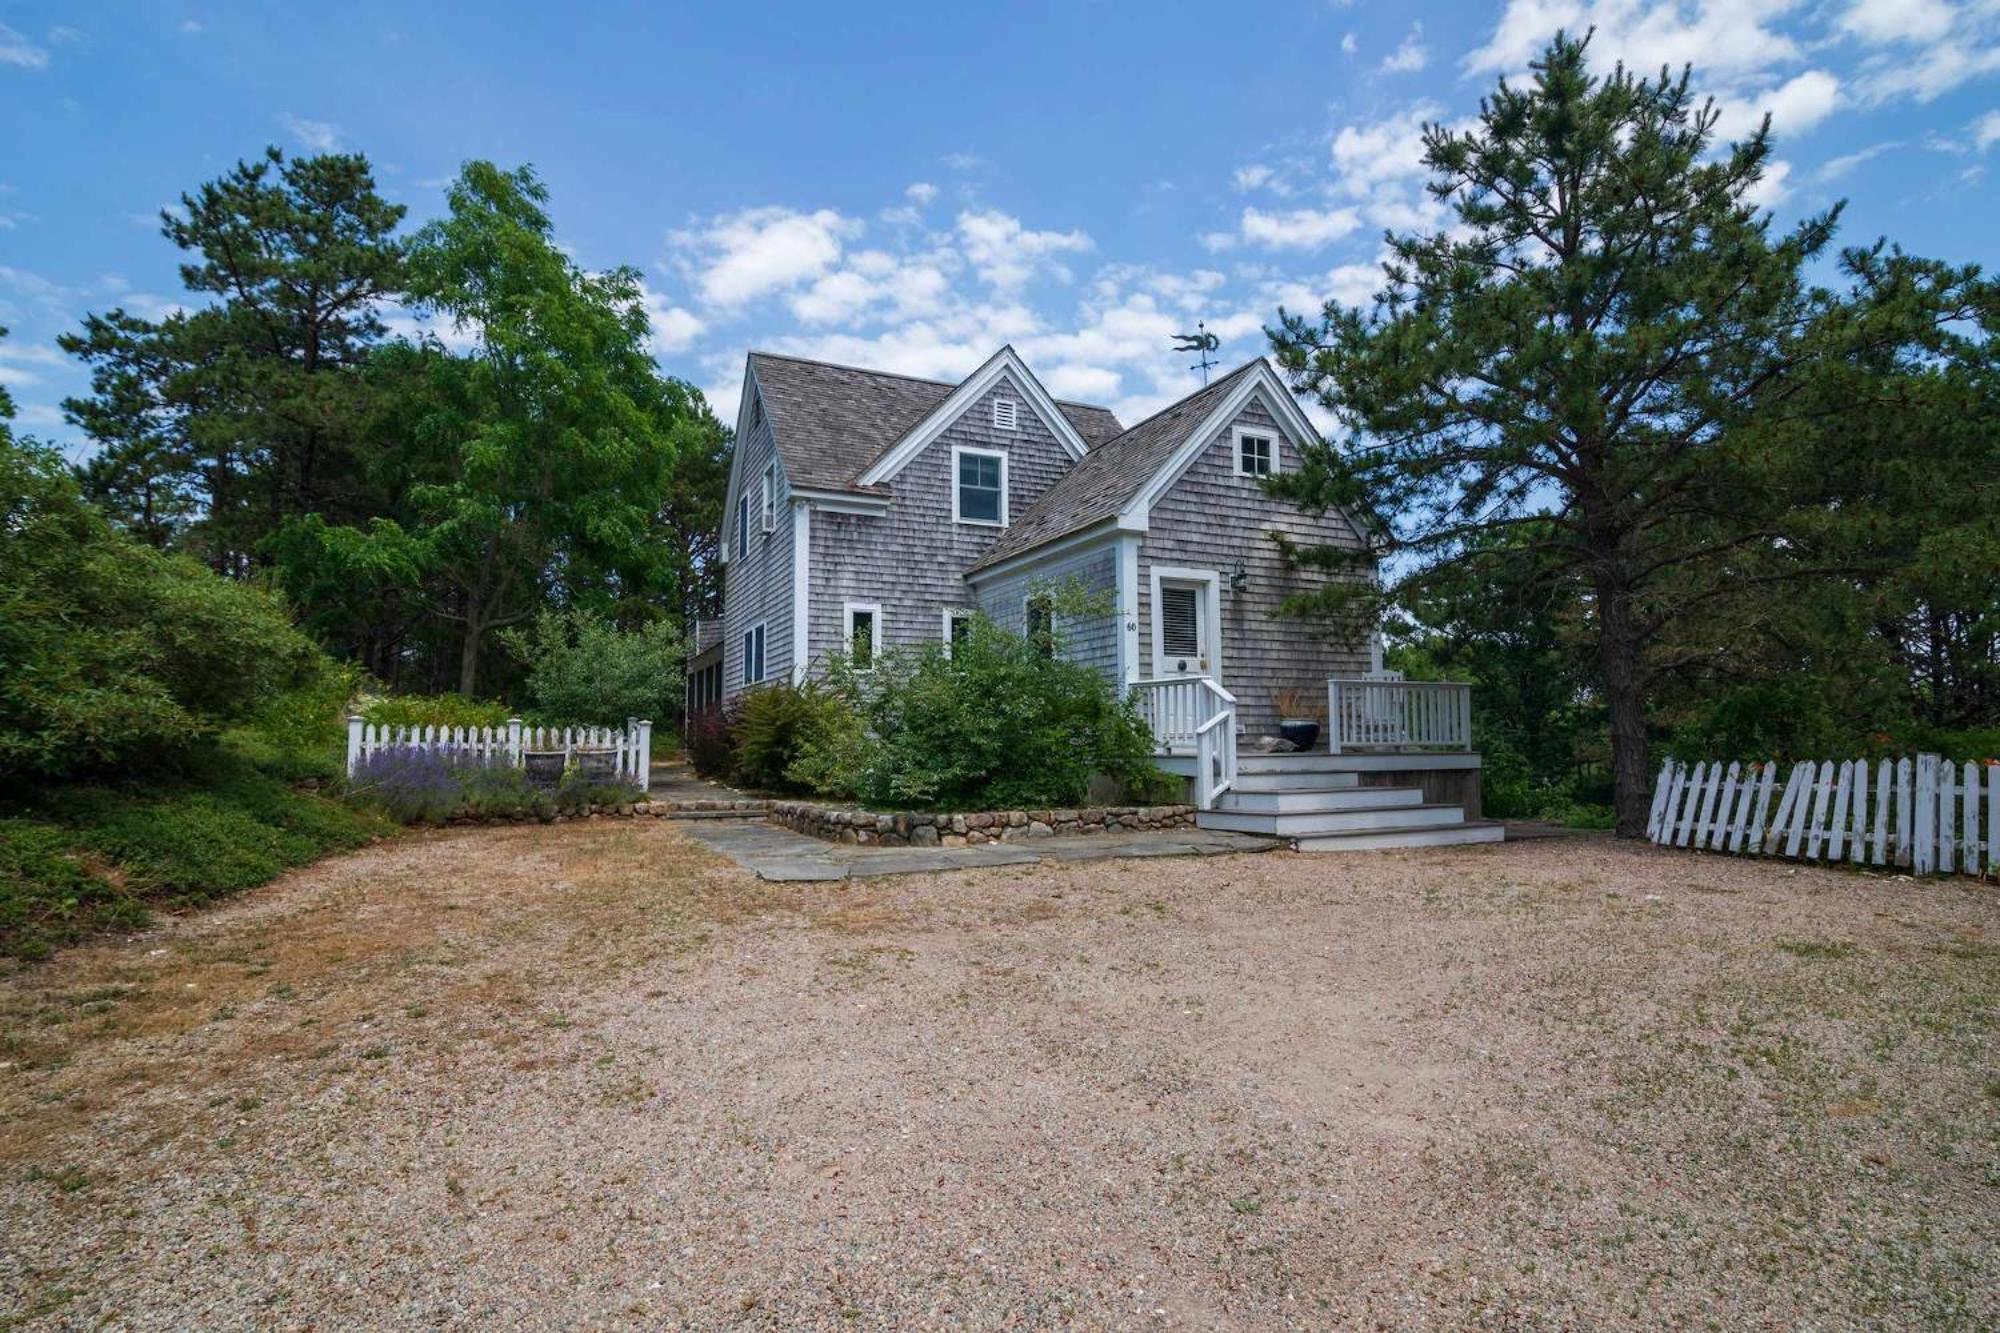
(980, 522)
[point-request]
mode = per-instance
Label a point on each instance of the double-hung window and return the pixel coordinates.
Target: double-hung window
(753, 655)
(979, 486)
(862, 631)
(957, 628)
(1255, 455)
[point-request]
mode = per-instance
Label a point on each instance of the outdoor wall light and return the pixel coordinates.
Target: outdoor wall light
(1239, 578)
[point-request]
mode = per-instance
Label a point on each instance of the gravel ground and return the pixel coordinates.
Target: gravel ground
(594, 1076)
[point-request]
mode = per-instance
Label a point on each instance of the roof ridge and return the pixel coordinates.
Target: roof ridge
(1179, 402)
(914, 379)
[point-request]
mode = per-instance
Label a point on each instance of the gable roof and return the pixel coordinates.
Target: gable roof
(1113, 474)
(832, 422)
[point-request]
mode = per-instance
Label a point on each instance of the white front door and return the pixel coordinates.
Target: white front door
(1186, 622)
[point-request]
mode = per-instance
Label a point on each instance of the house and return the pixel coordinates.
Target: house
(868, 509)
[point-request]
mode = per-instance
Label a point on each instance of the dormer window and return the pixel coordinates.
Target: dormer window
(1006, 415)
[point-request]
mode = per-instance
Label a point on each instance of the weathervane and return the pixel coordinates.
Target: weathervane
(1202, 341)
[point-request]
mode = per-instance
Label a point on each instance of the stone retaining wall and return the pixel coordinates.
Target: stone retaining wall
(635, 810)
(918, 829)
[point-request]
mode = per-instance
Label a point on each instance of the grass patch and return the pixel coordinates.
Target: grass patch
(77, 860)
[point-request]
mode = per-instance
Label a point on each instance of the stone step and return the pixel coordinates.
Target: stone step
(1371, 840)
(1333, 821)
(1316, 801)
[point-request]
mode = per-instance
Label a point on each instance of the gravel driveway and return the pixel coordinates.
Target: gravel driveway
(593, 1076)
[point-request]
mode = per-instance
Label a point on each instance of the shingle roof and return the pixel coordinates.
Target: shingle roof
(832, 421)
(1111, 474)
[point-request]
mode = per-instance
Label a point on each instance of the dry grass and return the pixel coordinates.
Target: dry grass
(590, 1074)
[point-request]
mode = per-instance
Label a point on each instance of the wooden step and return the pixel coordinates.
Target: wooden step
(1372, 840)
(1305, 780)
(1332, 821)
(1309, 762)
(1315, 801)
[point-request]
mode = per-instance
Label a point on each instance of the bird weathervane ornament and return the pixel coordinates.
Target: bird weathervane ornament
(1202, 341)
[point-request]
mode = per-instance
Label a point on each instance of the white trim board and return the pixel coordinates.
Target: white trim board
(1211, 614)
(946, 616)
(925, 432)
(801, 588)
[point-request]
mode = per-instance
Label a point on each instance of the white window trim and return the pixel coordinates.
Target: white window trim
(960, 450)
(950, 614)
(1211, 610)
(1241, 433)
(742, 517)
(767, 498)
(762, 630)
(1012, 411)
(847, 610)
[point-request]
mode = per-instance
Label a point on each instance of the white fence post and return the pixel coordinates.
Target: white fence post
(645, 756)
(354, 725)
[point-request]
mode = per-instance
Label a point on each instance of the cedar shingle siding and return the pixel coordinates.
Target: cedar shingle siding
(1212, 518)
(757, 587)
(912, 560)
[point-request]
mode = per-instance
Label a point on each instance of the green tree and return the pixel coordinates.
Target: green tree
(1581, 355)
(555, 440)
(217, 423)
(581, 668)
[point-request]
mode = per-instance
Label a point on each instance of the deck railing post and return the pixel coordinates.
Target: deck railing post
(1334, 724)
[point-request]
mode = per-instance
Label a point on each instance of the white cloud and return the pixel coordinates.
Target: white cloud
(1836, 167)
(1770, 189)
(191, 26)
(1880, 22)
(1724, 40)
(1348, 44)
(62, 34)
(1298, 228)
(1986, 131)
(674, 328)
(963, 161)
(1795, 106)
(742, 256)
(1006, 254)
(1254, 177)
(321, 136)
(18, 51)
(921, 193)
(1390, 151)
(1411, 56)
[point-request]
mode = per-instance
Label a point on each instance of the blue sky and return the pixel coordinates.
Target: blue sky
(911, 187)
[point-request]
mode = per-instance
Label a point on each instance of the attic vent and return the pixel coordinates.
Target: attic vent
(1006, 415)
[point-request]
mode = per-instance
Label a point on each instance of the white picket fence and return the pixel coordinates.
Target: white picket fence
(1925, 816)
(632, 744)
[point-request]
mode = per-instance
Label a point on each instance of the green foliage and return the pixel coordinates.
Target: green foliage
(577, 793)
(111, 653)
(76, 859)
(432, 710)
(583, 670)
(47, 896)
(220, 422)
(997, 723)
(711, 743)
(780, 726)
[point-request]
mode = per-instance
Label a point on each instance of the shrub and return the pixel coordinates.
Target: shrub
(112, 654)
(998, 723)
(583, 670)
(578, 793)
(777, 725)
(432, 710)
(711, 744)
(408, 783)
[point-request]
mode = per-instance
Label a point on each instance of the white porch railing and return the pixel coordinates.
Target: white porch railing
(1398, 715)
(632, 745)
(1193, 715)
